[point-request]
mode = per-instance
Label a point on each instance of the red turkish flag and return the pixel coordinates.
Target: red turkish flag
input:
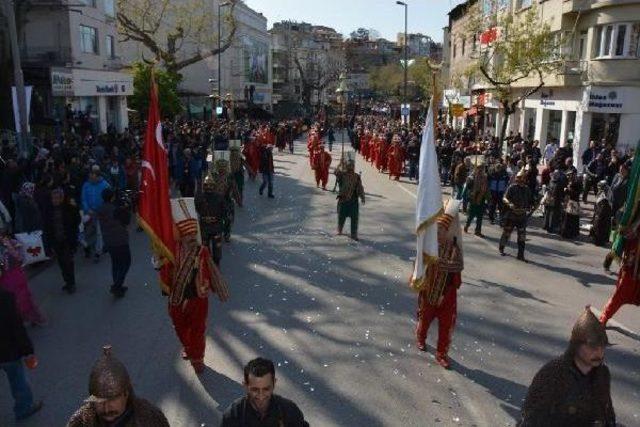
(154, 208)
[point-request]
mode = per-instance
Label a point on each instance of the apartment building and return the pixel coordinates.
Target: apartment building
(318, 49)
(595, 95)
(71, 57)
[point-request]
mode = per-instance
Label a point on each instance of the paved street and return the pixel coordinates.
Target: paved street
(337, 317)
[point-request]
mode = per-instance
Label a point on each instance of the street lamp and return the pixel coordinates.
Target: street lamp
(220, 6)
(406, 47)
(342, 93)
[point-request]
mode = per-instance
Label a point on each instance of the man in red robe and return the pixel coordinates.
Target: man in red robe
(194, 275)
(395, 158)
(321, 163)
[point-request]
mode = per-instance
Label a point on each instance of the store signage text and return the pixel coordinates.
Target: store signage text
(113, 88)
(604, 101)
(61, 83)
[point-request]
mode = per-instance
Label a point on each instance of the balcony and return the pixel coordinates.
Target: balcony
(46, 56)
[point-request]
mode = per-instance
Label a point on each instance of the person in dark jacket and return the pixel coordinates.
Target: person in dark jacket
(575, 388)
(261, 407)
(266, 169)
(15, 346)
(61, 235)
(114, 220)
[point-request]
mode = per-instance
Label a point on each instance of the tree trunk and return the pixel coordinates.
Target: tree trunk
(503, 132)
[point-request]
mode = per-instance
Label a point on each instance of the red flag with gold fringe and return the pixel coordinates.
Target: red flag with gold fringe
(154, 209)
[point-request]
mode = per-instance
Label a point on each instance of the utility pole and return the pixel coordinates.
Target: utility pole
(220, 6)
(18, 77)
(406, 55)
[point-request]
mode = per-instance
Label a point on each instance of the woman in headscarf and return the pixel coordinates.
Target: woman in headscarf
(28, 218)
(14, 280)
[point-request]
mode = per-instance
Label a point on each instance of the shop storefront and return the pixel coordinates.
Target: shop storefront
(100, 97)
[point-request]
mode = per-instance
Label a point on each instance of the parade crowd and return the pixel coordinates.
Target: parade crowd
(81, 191)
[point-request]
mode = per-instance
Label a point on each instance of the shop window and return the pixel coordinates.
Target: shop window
(613, 41)
(605, 126)
(88, 39)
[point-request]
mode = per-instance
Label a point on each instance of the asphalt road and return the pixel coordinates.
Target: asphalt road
(336, 316)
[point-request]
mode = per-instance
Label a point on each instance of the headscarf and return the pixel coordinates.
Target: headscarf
(27, 189)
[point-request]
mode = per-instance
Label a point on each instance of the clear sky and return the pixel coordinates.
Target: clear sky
(425, 16)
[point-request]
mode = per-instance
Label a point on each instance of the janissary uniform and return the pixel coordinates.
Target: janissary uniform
(561, 395)
(438, 298)
(109, 379)
(193, 277)
(628, 284)
(518, 201)
(351, 192)
(237, 165)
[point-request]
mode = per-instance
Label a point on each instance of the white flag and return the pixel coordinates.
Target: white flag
(428, 206)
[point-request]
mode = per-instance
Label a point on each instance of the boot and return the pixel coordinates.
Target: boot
(443, 360)
(501, 248)
(521, 252)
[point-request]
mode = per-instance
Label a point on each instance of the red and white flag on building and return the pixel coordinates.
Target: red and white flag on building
(154, 208)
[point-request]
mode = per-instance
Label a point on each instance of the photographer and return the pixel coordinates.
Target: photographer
(114, 218)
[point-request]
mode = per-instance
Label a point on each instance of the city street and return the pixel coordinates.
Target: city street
(336, 316)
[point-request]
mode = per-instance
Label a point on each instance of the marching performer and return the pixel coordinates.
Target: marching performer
(237, 164)
(321, 164)
(194, 275)
(439, 298)
(351, 190)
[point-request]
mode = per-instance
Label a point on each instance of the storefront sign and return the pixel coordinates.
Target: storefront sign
(457, 110)
(102, 83)
(604, 101)
(61, 82)
(107, 88)
(616, 99)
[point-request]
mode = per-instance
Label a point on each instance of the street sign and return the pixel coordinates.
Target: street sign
(457, 110)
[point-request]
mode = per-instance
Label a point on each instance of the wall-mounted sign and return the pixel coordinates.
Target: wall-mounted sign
(61, 82)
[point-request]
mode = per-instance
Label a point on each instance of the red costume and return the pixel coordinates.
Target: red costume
(395, 161)
(193, 277)
(628, 284)
(321, 163)
(252, 155)
(439, 290)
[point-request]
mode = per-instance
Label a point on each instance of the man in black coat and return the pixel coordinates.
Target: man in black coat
(267, 169)
(61, 235)
(14, 346)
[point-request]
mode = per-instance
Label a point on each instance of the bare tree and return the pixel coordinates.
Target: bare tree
(178, 33)
(317, 70)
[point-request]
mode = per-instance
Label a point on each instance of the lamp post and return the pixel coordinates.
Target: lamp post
(406, 47)
(343, 96)
(220, 6)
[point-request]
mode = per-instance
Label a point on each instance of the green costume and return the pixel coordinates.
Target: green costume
(351, 190)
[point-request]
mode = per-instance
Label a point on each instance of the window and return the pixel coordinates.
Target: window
(109, 8)
(582, 46)
(88, 39)
(523, 3)
(110, 47)
(613, 41)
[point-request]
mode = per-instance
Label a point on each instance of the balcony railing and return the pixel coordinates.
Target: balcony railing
(46, 56)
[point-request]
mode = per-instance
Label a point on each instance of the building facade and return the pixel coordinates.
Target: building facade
(595, 95)
(71, 57)
(314, 49)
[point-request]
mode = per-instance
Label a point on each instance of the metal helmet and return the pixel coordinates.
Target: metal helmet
(209, 183)
(109, 378)
(587, 330)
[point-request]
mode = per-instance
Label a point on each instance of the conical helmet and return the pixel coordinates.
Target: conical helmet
(109, 378)
(588, 330)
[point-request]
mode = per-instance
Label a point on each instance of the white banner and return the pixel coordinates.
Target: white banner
(16, 110)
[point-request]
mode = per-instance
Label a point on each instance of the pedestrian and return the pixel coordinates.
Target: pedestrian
(331, 137)
(321, 164)
(438, 299)
(555, 201)
(13, 279)
(194, 275)
(413, 155)
(477, 193)
(460, 176)
(28, 217)
(112, 401)
(114, 219)
(16, 351)
(267, 169)
(61, 235)
(575, 388)
(498, 182)
(570, 227)
(351, 191)
(261, 407)
(602, 216)
(91, 202)
(518, 201)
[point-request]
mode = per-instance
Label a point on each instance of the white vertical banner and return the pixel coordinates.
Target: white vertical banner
(16, 109)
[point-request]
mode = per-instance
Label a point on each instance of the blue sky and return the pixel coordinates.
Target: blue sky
(425, 16)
